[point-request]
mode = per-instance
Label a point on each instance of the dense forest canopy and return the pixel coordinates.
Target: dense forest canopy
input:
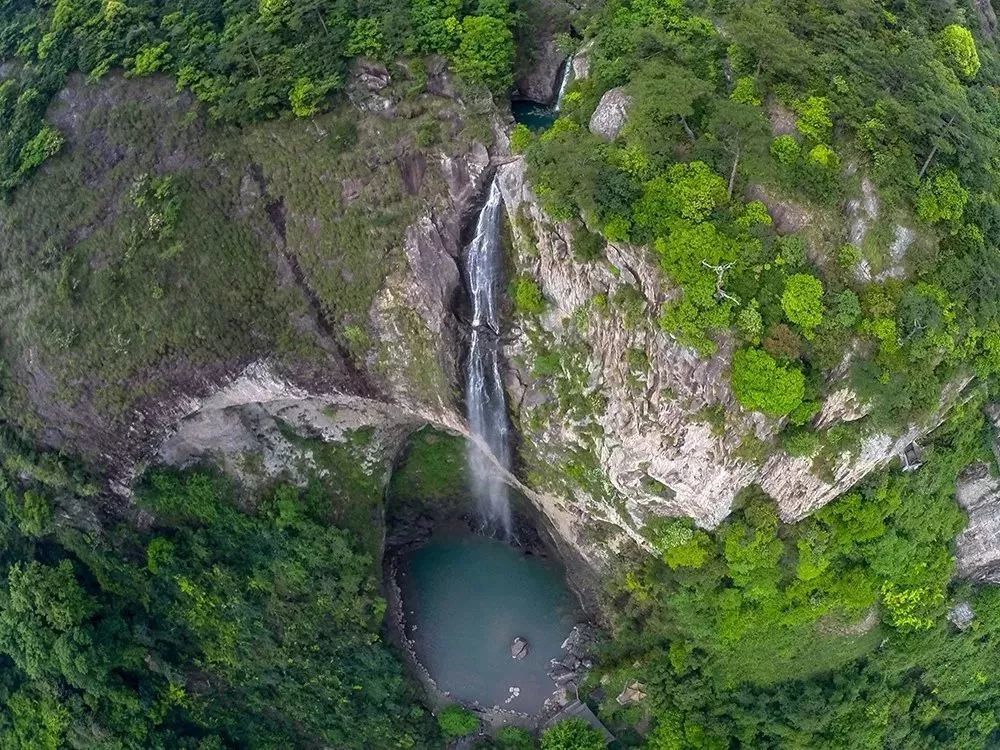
(228, 620)
(831, 632)
(209, 616)
(805, 105)
(246, 60)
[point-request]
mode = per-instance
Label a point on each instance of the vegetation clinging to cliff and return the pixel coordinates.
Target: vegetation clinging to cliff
(736, 102)
(245, 60)
(830, 632)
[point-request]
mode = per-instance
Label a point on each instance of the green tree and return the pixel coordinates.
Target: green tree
(786, 149)
(572, 734)
(486, 52)
(742, 131)
(455, 721)
(759, 383)
(527, 294)
(43, 145)
(959, 49)
(802, 301)
(941, 198)
(306, 96)
(665, 97)
(514, 738)
(813, 119)
(44, 615)
(688, 191)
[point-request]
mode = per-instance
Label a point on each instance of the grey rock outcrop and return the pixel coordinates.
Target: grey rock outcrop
(581, 61)
(961, 615)
(652, 447)
(611, 114)
(977, 548)
(539, 80)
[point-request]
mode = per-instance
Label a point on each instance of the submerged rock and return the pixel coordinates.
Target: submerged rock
(519, 648)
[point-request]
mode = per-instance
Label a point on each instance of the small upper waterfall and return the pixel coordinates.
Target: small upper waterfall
(564, 82)
(485, 399)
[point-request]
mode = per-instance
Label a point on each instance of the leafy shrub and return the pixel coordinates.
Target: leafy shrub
(587, 246)
(485, 52)
(520, 138)
(941, 198)
(514, 738)
(759, 383)
(572, 734)
(527, 295)
(786, 149)
(848, 257)
(959, 49)
(679, 543)
(814, 118)
(802, 301)
(455, 721)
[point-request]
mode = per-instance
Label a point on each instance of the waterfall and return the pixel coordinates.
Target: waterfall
(486, 402)
(564, 82)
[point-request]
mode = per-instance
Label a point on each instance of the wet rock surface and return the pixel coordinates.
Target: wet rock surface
(519, 648)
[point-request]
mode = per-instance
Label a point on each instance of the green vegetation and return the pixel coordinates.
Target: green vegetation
(802, 301)
(208, 627)
(791, 105)
(514, 738)
(433, 473)
(762, 384)
(527, 296)
(246, 61)
(572, 734)
(456, 721)
(766, 634)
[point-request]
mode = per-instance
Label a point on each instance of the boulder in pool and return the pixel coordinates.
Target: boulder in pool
(519, 648)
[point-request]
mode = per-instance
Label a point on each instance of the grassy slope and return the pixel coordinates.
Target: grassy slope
(103, 311)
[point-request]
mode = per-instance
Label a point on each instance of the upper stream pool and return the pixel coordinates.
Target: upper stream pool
(536, 116)
(466, 598)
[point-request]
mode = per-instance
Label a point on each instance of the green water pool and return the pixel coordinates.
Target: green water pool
(466, 597)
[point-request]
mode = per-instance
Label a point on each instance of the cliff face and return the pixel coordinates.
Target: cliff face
(290, 258)
(644, 426)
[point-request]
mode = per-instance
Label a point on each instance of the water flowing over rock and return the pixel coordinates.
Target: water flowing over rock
(538, 82)
(611, 114)
(564, 81)
(485, 399)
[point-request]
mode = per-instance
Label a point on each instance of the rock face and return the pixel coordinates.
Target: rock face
(655, 429)
(977, 553)
(628, 425)
(539, 80)
(611, 114)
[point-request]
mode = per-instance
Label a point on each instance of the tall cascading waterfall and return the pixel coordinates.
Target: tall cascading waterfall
(564, 82)
(485, 399)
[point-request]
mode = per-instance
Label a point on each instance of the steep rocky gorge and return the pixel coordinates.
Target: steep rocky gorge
(630, 425)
